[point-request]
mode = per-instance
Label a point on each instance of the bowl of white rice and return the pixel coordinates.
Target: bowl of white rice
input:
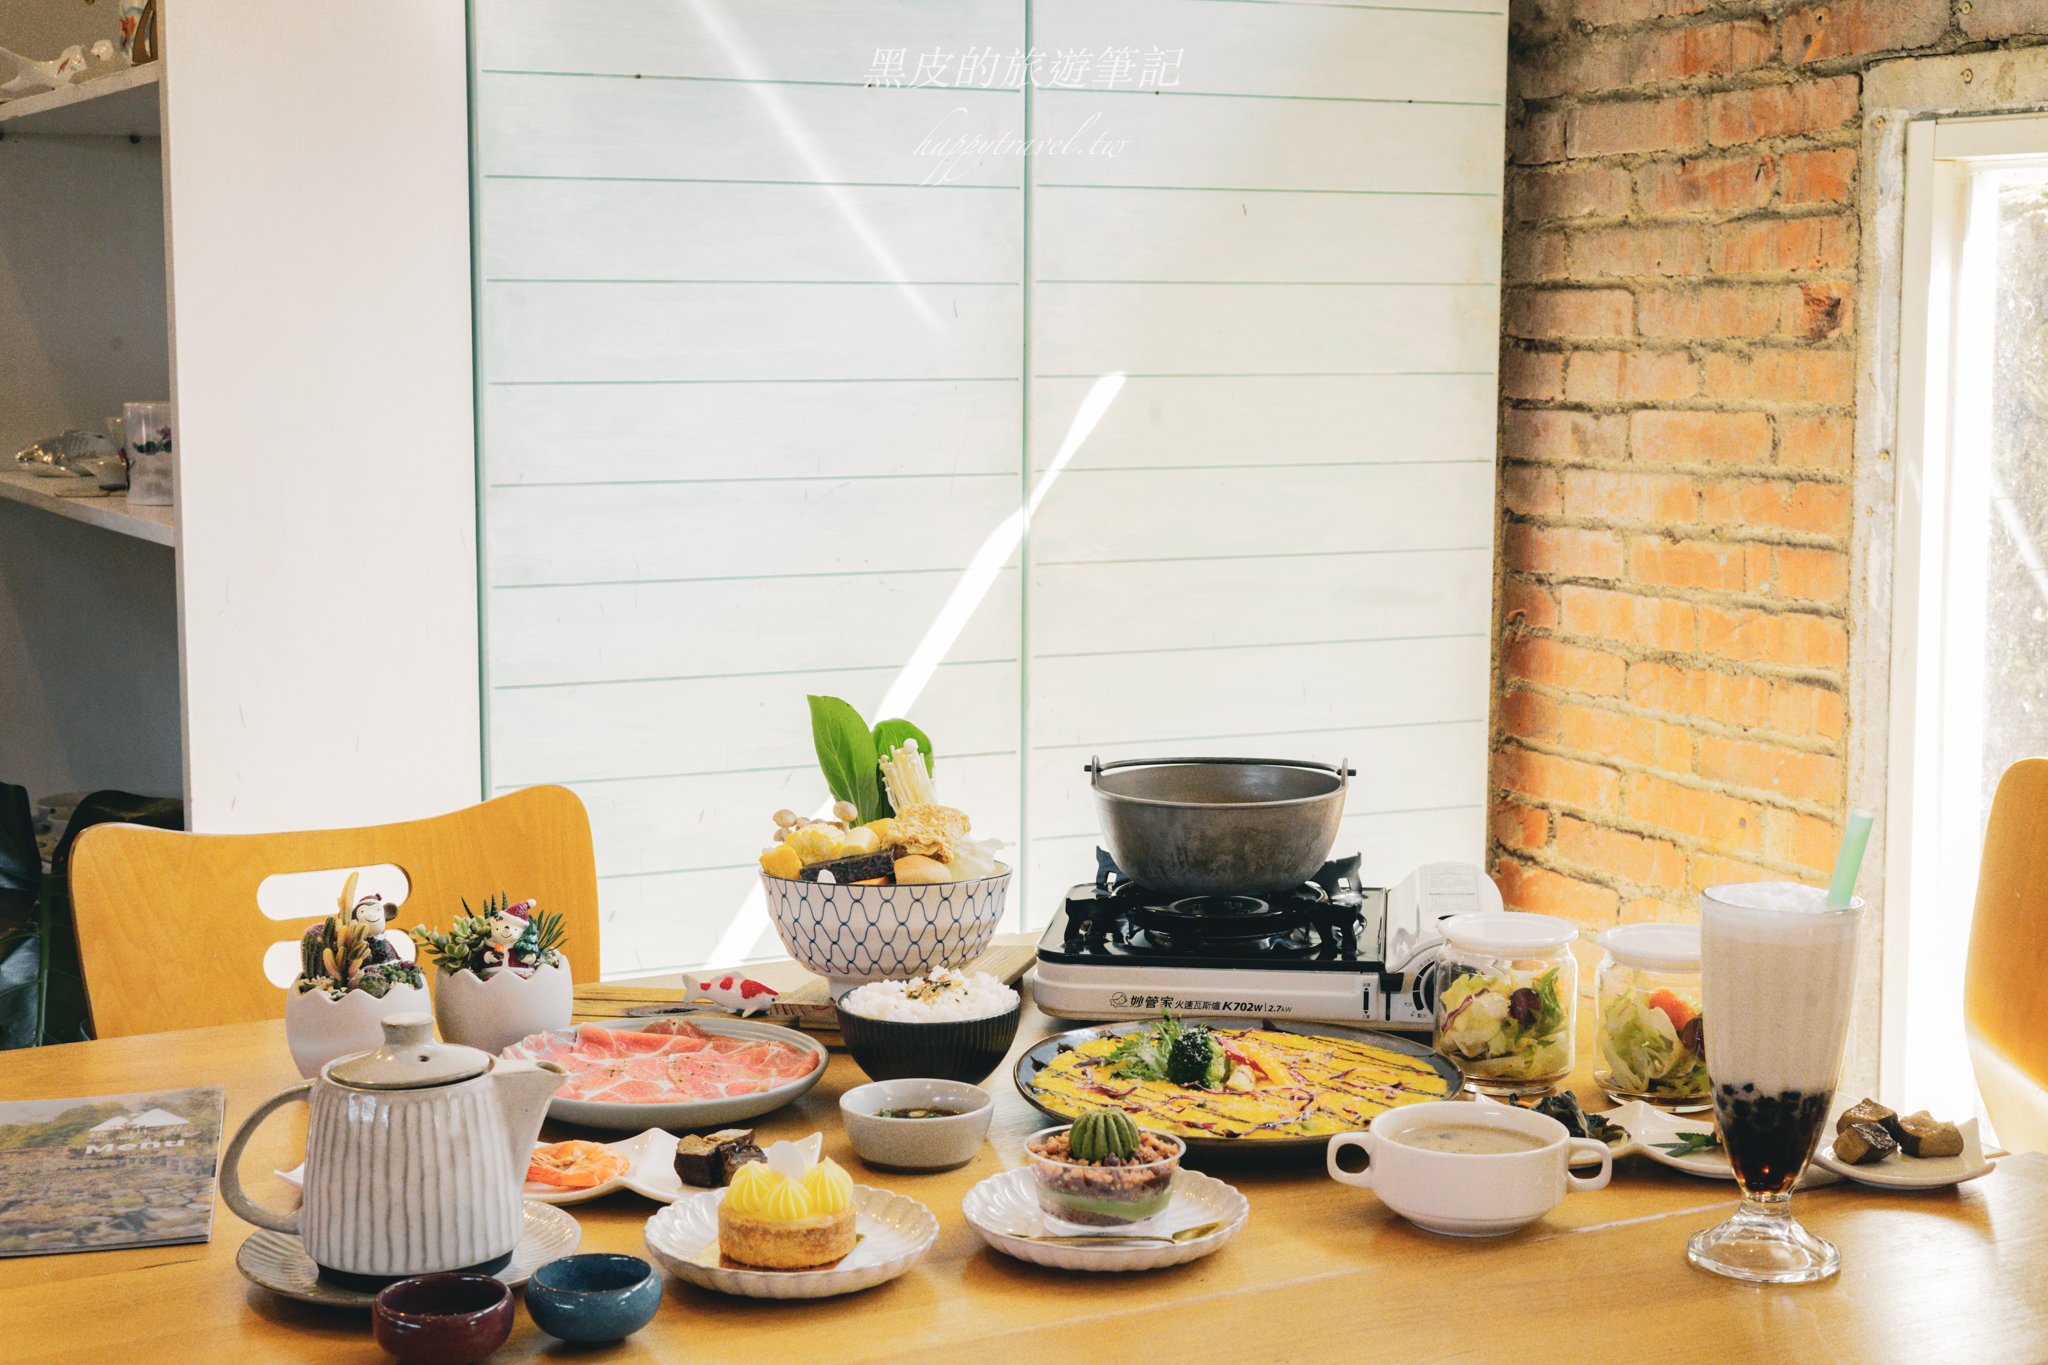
(945, 1025)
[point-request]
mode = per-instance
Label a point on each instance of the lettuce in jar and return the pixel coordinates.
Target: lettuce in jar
(1509, 1026)
(1654, 1043)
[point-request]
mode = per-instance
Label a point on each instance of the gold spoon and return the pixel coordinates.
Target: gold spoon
(1125, 1239)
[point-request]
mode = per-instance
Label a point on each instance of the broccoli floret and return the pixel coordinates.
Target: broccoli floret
(1192, 1057)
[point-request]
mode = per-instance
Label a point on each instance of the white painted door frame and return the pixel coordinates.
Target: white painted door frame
(1939, 612)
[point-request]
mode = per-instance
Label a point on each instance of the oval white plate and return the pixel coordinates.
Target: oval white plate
(1902, 1172)
(716, 1113)
(1004, 1210)
(278, 1260)
(1647, 1126)
(650, 1171)
(895, 1233)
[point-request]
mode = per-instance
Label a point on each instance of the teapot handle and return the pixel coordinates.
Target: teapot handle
(231, 1165)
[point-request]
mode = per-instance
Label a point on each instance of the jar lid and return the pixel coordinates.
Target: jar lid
(1655, 947)
(1508, 932)
(410, 1059)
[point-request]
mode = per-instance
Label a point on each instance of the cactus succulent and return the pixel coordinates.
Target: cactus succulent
(342, 953)
(466, 941)
(1102, 1133)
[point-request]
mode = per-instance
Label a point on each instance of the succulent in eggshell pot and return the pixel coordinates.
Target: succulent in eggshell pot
(351, 976)
(500, 974)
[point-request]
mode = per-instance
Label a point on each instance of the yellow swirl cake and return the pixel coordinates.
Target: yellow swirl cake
(770, 1220)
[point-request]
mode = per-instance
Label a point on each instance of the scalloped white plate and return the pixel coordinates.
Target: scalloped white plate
(1004, 1210)
(895, 1233)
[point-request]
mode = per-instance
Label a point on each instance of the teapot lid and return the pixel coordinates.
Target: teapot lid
(410, 1059)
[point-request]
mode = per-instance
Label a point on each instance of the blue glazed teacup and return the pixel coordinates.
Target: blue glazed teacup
(594, 1297)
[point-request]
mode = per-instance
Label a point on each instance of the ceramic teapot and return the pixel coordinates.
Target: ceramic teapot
(416, 1153)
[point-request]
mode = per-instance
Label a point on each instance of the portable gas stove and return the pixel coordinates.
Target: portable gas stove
(1320, 951)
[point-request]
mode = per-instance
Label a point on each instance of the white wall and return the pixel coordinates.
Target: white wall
(766, 388)
(316, 187)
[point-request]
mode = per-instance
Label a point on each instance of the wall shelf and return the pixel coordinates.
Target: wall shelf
(123, 104)
(157, 525)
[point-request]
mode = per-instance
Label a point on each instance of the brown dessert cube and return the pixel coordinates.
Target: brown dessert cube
(1867, 1111)
(1922, 1134)
(1860, 1144)
(701, 1160)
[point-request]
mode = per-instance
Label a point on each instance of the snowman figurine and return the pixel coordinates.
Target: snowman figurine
(513, 939)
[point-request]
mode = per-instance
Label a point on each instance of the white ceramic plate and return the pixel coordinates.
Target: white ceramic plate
(278, 1260)
(716, 1113)
(1648, 1127)
(1004, 1210)
(895, 1233)
(651, 1171)
(1902, 1172)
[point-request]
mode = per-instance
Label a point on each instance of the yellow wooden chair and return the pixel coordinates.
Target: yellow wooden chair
(2005, 984)
(171, 937)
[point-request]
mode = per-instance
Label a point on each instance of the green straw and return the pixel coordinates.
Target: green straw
(1848, 862)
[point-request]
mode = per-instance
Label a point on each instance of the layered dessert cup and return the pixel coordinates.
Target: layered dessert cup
(1112, 1192)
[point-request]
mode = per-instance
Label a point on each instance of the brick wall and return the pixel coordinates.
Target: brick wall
(1677, 422)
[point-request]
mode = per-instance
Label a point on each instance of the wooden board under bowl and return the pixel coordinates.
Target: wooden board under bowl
(807, 1005)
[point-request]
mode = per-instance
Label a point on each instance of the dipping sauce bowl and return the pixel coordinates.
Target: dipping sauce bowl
(924, 1144)
(448, 1319)
(597, 1296)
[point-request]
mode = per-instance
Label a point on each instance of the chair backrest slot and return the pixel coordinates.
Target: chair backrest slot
(187, 930)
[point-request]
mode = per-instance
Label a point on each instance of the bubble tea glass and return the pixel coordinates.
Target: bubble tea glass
(1777, 973)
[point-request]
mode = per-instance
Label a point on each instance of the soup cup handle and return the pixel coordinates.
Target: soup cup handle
(1589, 1147)
(1365, 1143)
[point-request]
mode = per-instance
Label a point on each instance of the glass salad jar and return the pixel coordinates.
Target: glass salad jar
(1507, 992)
(1652, 1039)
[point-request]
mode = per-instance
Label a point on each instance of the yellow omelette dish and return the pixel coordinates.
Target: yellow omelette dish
(1306, 1086)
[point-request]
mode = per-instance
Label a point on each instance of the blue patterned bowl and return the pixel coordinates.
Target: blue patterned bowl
(852, 935)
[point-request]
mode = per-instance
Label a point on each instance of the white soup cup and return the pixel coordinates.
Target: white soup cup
(1463, 1194)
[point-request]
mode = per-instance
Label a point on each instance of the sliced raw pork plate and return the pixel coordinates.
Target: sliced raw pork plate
(668, 1062)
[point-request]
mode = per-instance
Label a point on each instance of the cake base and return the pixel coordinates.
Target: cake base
(785, 1246)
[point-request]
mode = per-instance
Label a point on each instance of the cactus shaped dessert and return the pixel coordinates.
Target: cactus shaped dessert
(1102, 1133)
(1103, 1170)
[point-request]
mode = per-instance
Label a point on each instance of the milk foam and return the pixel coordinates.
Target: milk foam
(1777, 975)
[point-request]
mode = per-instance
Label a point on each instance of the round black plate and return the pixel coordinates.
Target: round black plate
(1041, 1053)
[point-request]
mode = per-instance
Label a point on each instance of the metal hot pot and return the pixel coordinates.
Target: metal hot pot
(1207, 826)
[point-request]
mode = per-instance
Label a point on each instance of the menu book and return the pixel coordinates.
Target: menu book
(109, 1171)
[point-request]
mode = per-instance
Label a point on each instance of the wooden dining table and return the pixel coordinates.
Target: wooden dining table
(1320, 1272)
